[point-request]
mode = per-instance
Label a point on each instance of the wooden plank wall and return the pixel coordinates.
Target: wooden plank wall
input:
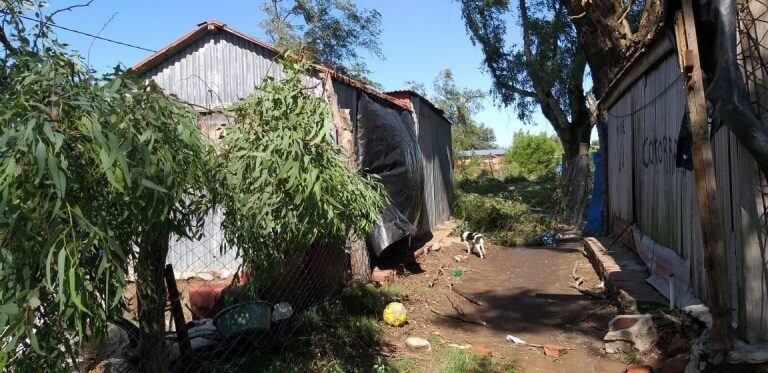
(620, 162)
(646, 186)
(751, 199)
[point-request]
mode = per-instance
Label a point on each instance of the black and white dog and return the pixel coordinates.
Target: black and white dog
(474, 242)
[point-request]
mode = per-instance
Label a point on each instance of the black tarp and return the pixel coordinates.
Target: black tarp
(387, 147)
(716, 26)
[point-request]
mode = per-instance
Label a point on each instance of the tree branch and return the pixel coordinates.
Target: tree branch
(45, 20)
(550, 107)
(626, 11)
(5, 42)
(652, 13)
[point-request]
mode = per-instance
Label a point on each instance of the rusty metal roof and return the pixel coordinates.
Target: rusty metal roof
(405, 96)
(216, 26)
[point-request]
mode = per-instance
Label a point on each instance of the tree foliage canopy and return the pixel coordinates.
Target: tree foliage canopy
(332, 31)
(286, 184)
(546, 71)
(90, 168)
(534, 155)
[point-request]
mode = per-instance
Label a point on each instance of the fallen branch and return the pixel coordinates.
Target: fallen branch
(578, 284)
(458, 292)
(455, 306)
(437, 275)
(586, 291)
(460, 318)
(467, 297)
(575, 267)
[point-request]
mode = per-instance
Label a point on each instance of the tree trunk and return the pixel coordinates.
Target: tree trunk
(150, 286)
(606, 37)
(359, 257)
(576, 172)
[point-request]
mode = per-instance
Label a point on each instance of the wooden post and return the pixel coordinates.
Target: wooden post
(177, 312)
(715, 259)
(359, 257)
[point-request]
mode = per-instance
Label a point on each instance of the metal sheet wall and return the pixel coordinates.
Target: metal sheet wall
(434, 133)
(220, 69)
(645, 186)
(216, 69)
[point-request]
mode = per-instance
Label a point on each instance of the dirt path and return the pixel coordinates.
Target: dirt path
(524, 292)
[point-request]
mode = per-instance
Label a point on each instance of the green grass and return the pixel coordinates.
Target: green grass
(400, 365)
(453, 360)
(508, 212)
(342, 335)
(537, 194)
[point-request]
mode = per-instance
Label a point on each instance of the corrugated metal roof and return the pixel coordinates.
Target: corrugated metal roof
(215, 26)
(484, 152)
(400, 94)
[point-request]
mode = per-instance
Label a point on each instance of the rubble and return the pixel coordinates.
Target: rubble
(554, 350)
(417, 344)
(635, 330)
(383, 276)
(745, 353)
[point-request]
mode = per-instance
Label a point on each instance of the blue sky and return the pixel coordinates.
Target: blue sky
(419, 38)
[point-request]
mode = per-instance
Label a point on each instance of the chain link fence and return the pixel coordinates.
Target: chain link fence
(212, 321)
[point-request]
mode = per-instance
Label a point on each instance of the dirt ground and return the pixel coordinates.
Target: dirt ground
(523, 291)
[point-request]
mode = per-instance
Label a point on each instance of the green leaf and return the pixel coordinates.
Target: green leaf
(60, 273)
(73, 292)
(153, 186)
(41, 155)
(32, 299)
(10, 309)
(33, 341)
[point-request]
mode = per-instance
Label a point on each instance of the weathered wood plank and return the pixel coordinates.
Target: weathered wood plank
(706, 187)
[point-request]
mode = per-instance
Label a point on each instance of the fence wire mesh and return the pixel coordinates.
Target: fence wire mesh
(224, 327)
(227, 329)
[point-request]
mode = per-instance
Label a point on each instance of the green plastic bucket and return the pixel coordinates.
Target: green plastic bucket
(249, 317)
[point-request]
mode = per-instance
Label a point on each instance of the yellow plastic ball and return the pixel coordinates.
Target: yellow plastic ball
(395, 314)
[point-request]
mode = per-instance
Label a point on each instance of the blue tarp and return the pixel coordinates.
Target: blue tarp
(595, 210)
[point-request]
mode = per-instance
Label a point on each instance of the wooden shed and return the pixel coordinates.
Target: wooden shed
(214, 66)
(651, 186)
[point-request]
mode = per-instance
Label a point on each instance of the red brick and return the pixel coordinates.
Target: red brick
(480, 350)
(204, 299)
(634, 368)
(383, 276)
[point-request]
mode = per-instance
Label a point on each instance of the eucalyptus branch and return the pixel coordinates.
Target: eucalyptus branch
(5, 42)
(104, 26)
(45, 20)
(550, 107)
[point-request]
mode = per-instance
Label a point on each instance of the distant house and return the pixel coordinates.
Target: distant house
(490, 158)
